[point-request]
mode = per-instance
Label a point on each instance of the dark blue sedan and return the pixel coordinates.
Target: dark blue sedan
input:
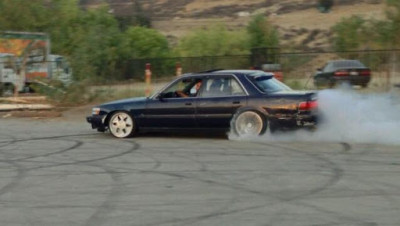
(249, 102)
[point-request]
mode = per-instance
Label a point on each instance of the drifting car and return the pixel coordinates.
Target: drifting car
(342, 71)
(250, 102)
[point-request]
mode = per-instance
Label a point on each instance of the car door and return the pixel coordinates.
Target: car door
(219, 99)
(168, 110)
(323, 76)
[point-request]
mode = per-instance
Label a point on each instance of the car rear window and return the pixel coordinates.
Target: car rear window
(267, 83)
(348, 64)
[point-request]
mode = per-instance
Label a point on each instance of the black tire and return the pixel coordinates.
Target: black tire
(249, 123)
(121, 124)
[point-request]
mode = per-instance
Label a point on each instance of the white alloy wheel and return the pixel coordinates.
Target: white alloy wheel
(121, 125)
(249, 123)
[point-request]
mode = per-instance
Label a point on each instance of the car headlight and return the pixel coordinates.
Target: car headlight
(95, 111)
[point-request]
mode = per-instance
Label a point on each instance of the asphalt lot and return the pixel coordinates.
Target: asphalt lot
(60, 172)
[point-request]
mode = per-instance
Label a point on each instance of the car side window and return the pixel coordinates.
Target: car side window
(328, 67)
(186, 87)
(219, 87)
(324, 68)
(237, 90)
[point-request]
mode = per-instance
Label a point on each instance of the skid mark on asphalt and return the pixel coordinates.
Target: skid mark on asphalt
(337, 172)
(14, 139)
(8, 140)
(339, 216)
(107, 157)
(389, 197)
(20, 171)
(199, 171)
(20, 175)
(223, 211)
(74, 146)
(99, 216)
(96, 218)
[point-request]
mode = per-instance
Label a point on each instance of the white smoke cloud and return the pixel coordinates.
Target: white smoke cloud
(351, 117)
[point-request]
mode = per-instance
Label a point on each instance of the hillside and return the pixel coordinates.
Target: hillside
(299, 22)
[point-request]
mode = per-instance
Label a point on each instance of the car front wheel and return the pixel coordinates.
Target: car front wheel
(249, 123)
(121, 125)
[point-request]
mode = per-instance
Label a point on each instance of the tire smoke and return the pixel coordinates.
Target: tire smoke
(351, 117)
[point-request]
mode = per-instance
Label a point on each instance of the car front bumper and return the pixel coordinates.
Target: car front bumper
(97, 122)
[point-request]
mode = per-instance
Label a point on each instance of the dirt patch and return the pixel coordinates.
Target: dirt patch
(30, 114)
(77, 113)
(312, 19)
(290, 17)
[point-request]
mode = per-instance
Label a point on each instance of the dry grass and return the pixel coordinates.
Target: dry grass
(206, 4)
(312, 19)
(309, 19)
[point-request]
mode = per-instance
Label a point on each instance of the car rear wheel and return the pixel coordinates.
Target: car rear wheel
(249, 123)
(121, 125)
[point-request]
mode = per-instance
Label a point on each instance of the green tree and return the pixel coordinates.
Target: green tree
(349, 33)
(355, 32)
(215, 41)
(389, 30)
(64, 22)
(142, 42)
(94, 44)
(24, 15)
(262, 33)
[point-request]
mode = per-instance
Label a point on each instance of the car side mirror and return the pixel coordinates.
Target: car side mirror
(160, 97)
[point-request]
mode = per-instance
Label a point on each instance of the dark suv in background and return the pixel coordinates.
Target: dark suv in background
(342, 71)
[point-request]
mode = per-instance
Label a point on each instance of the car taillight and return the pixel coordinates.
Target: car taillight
(308, 105)
(341, 73)
(365, 72)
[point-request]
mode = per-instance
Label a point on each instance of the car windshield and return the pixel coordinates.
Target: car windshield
(267, 83)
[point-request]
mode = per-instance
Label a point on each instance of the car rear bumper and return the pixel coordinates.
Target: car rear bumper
(300, 121)
(308, 120)
(354, 80)
(97, 122)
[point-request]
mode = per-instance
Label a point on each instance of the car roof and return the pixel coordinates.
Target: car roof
(346, 63)
(238, 72)
(344, 60)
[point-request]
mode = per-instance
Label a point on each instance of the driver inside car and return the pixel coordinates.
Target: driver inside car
(193, 91)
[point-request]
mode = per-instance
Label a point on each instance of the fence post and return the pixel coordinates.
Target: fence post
(148, 79)
(178, 69)
(393, 71)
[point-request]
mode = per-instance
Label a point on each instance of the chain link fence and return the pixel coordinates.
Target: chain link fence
(297, 68)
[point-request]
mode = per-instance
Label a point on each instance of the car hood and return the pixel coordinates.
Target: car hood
(124, 101)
